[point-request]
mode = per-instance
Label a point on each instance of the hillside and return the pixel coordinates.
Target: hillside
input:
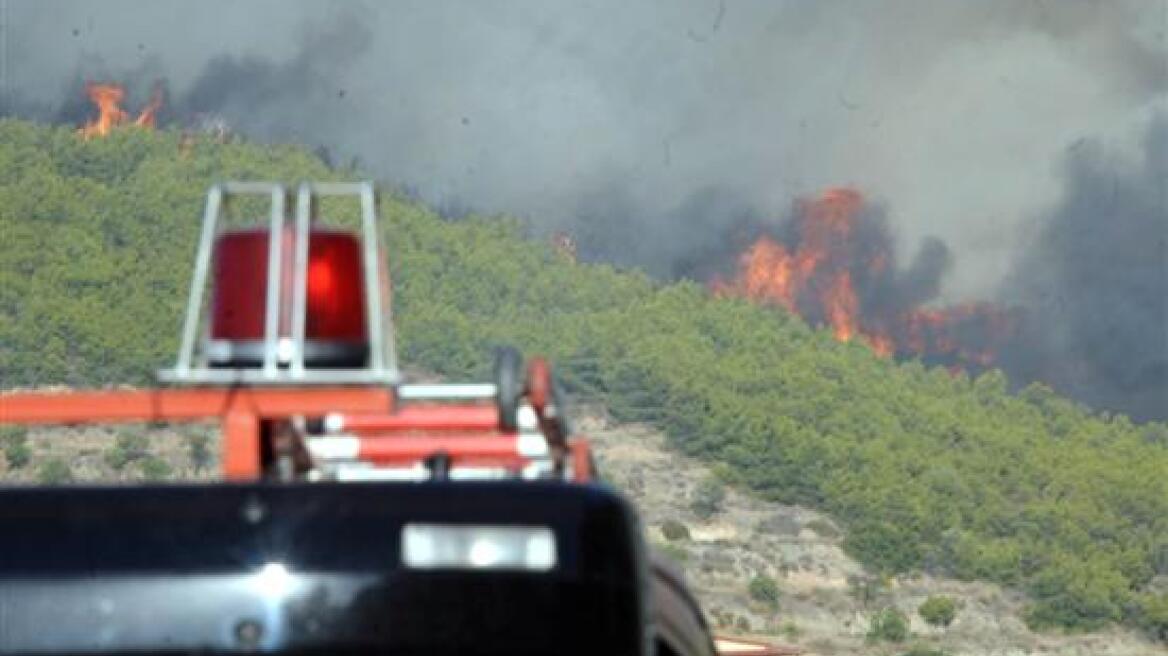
(826, 599)
(926, 471)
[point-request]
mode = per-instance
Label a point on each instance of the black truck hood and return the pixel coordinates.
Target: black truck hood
(312, 568)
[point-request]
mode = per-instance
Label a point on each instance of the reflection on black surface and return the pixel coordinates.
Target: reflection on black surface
(186, 570)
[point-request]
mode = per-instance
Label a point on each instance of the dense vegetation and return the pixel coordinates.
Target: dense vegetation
(925, 470)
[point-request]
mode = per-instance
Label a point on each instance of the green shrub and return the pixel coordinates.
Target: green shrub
(708, 498)
(742, 624)
(1152, 615)
(54, 471)
(674, 530)
(17, 455)
(129, 447)
(155, 468)
(791, 631)
(765, 590)
(14, 440)
(888, 625)
(938, 610)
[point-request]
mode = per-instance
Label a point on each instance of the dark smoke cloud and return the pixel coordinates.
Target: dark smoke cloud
(698, 239)
(287, 100)
(663, 135)
(922, 281)
(1095, 282)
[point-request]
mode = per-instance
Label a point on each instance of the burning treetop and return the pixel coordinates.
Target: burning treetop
(834, 265)
(108, 99)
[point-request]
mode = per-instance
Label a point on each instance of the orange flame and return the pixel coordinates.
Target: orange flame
(768, 272)
(882, 345)
(147, 117)
(817, 279)
(108, 99)
(842, 307)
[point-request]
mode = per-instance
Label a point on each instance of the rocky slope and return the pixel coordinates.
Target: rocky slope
(826, 598)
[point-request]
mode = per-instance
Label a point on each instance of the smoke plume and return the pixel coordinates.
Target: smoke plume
(1094, 282)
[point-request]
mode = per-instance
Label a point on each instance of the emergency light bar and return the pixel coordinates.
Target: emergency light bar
(290, 304)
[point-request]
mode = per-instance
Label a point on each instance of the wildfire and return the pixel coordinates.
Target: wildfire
(108, 100)
(841, 307)
(146, 118)
(836, 268)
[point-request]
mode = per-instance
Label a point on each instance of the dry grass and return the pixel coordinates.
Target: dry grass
(86, 452)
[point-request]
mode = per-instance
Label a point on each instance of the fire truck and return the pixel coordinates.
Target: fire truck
(357, 512)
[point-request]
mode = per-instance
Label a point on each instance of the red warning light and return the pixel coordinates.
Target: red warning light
(336, 305)
(335, 332)
(241, 270)
(321, 282)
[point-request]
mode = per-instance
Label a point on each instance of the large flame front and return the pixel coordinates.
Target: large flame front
(836, 268)
(108, 99)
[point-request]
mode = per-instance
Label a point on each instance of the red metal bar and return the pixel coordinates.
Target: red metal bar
(581, 459)
(425, 418)
(539, 383)
(381, 449)
(188, 404)
(241, 446)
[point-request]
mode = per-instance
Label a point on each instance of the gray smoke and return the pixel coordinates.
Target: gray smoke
(1094, 282)
(662, 135)
(301, 98)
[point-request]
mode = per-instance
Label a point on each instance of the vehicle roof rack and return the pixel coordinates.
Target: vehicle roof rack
(283, 347)
(293, 401)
